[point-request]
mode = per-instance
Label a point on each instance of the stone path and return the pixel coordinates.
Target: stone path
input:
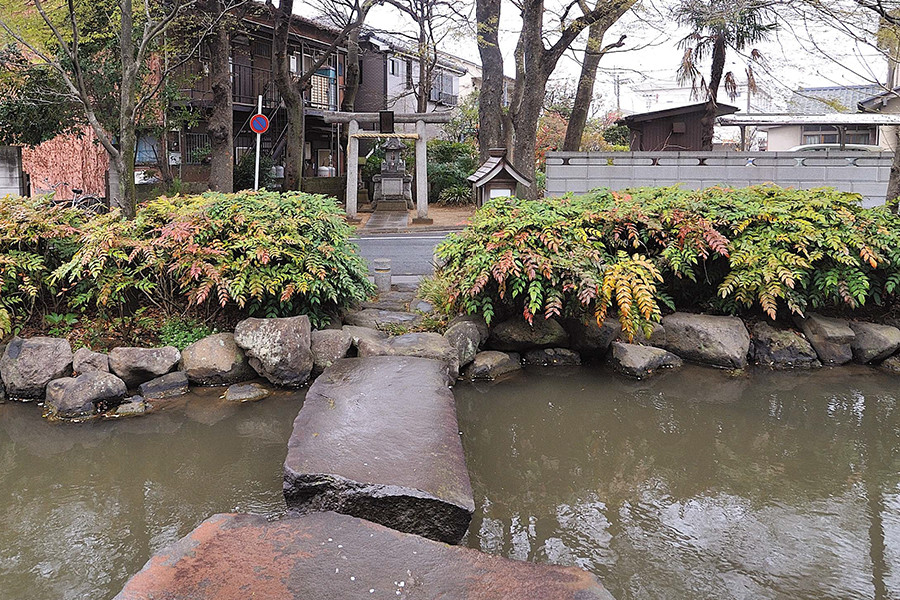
(387, 220)
(327, 556)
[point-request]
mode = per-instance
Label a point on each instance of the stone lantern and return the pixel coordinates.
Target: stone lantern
(393, 186)
(496, 178)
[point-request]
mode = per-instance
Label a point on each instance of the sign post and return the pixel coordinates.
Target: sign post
(259, 124)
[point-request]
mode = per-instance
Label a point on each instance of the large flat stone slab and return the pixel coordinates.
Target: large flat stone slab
(377, 438)
(327, 556)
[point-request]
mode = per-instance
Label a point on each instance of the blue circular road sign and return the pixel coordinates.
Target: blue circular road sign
(259, 123)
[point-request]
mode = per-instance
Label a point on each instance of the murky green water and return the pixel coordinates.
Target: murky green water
(693, 485)
(83, 507)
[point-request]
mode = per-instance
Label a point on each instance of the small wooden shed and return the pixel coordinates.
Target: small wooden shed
(496, 178)
(676, 129)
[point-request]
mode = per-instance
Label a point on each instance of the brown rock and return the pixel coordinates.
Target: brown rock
(216, 360)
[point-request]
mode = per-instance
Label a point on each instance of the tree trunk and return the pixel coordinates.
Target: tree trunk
(708, 122)
(351, 72)
(526, 124)
(291, 95)
(221, 119)
(585, 92)
(490, 97)
(127, 102)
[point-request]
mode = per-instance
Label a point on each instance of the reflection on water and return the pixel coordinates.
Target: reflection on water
(83, 507)
(694, 484)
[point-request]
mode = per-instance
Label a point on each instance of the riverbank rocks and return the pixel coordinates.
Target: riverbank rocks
(891, 365)
(491, 364)
(377, 438)
(357, 333)
(137, 365)
(641, 362)
(27, 366)
(246, 392)
(657, 337)
(830, 338)
(552, 357)
(517, 335)
(71, 397)
(375, 318)
(484, 331)
(782, 348)
(466, 338)
(423, 345)
(132, 407)
(216, 360)
(85, 361)
(170, 385)
(873, 343)
(279, 349)
(592, 338)
(713, 340)
(328, 556)
(328, 346)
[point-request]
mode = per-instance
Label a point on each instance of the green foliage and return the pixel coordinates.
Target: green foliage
(264, 254)
(60, 324)
(449, 165)
(245, 171)
(617, 135)
(722, 249)
(457, 194)
(182, 332)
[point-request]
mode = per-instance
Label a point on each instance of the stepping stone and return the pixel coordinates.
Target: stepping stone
(328, 556)
(377, 438)
(375, 318)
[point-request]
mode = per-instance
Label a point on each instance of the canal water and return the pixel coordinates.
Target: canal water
(694, 485)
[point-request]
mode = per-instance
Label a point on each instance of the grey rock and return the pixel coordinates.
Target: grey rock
(375, 318)
(641, 362)
(170, 385)
(517, 335)
(132, 407)
(420, 305)
(357, 333)
(2, 393)
(891, 365)
(328, 346)
(27, 366)
(713, 340)
(279, 349)
(422, 345)
(491, 364)
(657, 337)
(298, 558)
(377, 438)
(829, 337)
(86, 360)
(552, 357)
(246, 392)
(396, 300)
(782, 348)
(466, 338)
(137, 365)
(70, 397)
(478, 321)
(216, 360)
(592, 338)
(873, 343)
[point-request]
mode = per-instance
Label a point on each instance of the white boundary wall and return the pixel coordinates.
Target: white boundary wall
(864, 173)
(11, 177)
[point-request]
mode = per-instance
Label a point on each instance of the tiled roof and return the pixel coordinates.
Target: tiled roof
(833, 99)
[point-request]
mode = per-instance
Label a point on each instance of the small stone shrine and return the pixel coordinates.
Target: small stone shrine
(393, 186)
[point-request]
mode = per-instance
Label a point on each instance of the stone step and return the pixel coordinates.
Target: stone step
(390, 206)
(377, 438)
(327, 556)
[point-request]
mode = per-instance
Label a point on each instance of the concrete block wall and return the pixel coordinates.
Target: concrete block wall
(11, 177)
(862, 173)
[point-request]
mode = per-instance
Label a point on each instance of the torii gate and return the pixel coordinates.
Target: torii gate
(353, 119)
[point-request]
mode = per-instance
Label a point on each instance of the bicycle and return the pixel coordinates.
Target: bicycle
(89, 203)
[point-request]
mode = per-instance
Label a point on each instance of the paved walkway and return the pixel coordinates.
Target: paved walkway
(390, 220)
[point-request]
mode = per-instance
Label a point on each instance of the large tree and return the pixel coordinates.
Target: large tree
(544, 37)
(715, 27)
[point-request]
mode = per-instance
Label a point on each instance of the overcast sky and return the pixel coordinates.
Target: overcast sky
(799, 55)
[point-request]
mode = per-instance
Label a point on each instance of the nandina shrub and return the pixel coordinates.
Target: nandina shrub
(36, 236)
(266, 253)
(632, 252)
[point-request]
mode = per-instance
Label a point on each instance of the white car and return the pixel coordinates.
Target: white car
(837, 148)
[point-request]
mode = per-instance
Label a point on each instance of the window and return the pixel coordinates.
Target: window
(394, 66)
(262, 47)
(409, 79)
(828, 134)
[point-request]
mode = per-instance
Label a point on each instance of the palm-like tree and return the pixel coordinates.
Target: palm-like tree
(717, 26)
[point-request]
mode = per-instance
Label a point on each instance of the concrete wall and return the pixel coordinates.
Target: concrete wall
(11, 177)
(783, 138)
(579, 172)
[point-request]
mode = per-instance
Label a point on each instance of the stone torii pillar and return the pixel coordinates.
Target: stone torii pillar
(354, 119)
